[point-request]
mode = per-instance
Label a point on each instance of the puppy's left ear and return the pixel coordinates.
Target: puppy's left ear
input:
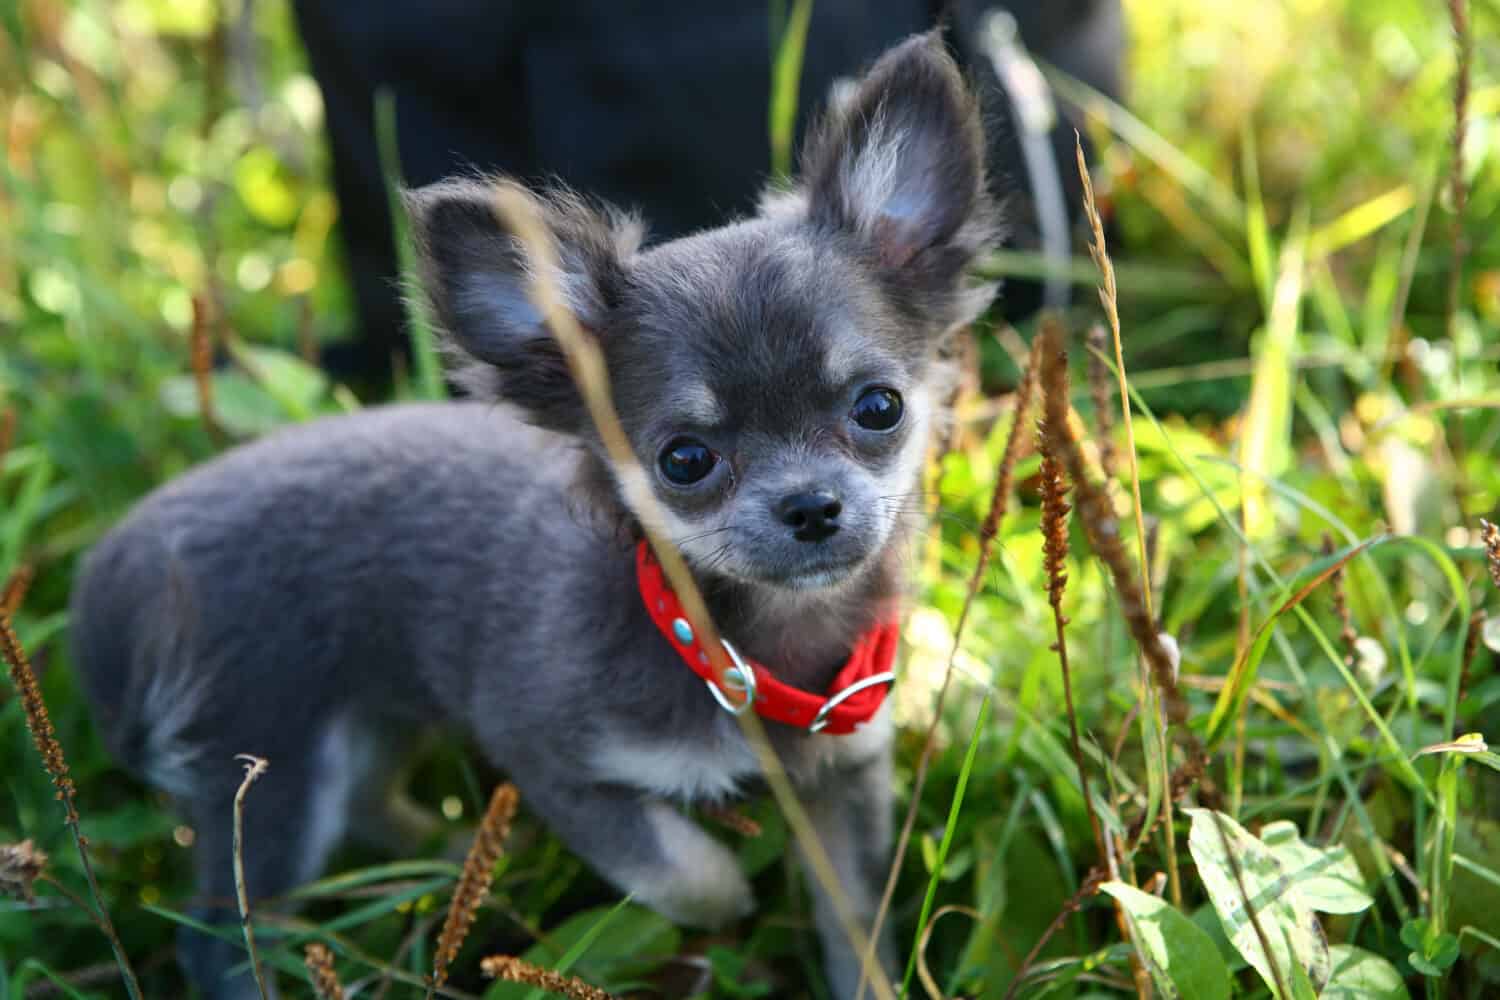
(899, 164)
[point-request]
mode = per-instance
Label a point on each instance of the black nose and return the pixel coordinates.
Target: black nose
(811, 516)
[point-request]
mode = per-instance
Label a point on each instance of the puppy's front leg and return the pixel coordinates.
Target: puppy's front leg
(646, 848)
(850, 808)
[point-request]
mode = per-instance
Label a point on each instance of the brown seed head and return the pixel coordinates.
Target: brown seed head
(515, 970)
(20, 866)
(1099, 521)
(15, 588)
(320, 970)
(474, 882)
(1490, 534)
(37, 719)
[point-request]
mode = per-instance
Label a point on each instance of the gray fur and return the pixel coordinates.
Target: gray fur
(331, 591)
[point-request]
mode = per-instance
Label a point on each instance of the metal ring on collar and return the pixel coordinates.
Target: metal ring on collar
(742, 672)
(821, 719)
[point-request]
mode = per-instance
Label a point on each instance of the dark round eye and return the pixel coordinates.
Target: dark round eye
(686, 461)
(877, 409)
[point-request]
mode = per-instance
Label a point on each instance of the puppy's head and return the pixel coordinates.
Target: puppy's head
(778, 377)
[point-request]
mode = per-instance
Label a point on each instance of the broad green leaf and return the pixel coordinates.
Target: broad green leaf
(1362, 975)
(1327, 879)
(1184, 961)
(634, 938)
(1290, 928)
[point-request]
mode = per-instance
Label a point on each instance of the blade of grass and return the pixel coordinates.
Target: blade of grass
(428, 369)
(786, 79)
(954, 806)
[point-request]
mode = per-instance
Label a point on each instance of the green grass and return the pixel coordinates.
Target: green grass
(1282, 235)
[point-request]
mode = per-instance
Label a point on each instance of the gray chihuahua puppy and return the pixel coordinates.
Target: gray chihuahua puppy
(318, 596)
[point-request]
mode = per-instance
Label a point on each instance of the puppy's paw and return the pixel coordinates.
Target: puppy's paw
(709, 898)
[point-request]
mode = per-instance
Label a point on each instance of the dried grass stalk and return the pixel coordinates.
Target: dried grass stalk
(515, 970)
(15, 588)
(733, 819)
(1110, 299)
(1458, 16)
(320, 971)
(1347, 635)
(1055, 511)
(474, 883)
(1489, 534)
(1100, 524)
(201, 357)
(1099, 392)
(45, 737)
(254, 768)
(20, 866)
(7, 431)
(37, 719)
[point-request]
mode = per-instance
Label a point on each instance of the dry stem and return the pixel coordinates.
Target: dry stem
(45, 737)
(1347, 634)
(1099, 391)
(15, 588)
(254, 768)
(1055, 558)
(201, 356)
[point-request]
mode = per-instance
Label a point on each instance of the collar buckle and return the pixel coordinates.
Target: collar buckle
(821, 719)
(740, 677)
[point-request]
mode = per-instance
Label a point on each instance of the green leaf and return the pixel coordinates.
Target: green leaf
(786, 76)
(1290, 928)
(1327, 879)
(1184, 961)
(1431, 954)
(1361, 975)
(608, 943)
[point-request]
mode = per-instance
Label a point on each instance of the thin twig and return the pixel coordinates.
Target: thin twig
(1109, 298)
(1347, 635)
(1055, 558)
(1099, 391)
(45, 738)
(15, 588)
(518, 214)
(1074, 903)
(254, 768)
(201, 357)
(1459, 16)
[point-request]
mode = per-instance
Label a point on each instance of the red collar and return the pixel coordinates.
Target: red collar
(852, 699)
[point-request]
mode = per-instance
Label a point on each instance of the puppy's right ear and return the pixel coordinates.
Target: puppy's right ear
(478, 276)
